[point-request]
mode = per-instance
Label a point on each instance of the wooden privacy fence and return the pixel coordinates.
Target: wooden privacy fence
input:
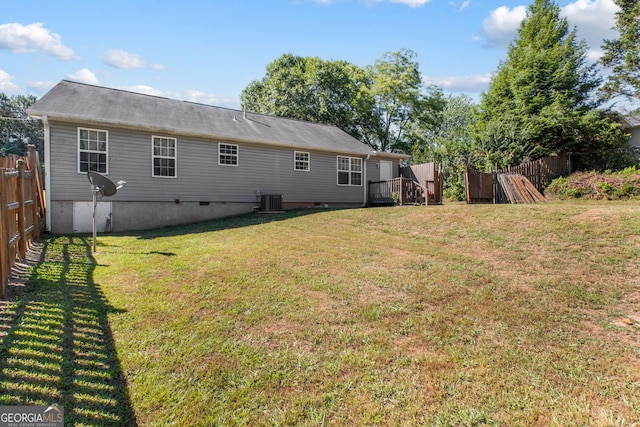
(503, 186)
(478, 186)
(541, 172)
(428, 176)
(21, 207)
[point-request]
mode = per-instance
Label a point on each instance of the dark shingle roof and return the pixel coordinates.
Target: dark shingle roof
(77, 102)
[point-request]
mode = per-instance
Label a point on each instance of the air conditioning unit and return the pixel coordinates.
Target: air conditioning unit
(271, 202)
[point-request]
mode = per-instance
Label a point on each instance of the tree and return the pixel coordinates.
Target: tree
(396, 93)
(377, 104)
(449, 143)
(542, 98)
(17, 129)
(308, 88)
(622, 55)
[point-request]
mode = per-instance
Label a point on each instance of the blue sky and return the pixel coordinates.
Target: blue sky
(208, 51)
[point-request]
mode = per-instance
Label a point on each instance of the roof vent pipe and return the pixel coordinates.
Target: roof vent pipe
(244, 107)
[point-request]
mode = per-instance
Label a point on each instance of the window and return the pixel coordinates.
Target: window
(164, 152)
(92, 150)
(349, 171)
(227, 154)
(301, 161)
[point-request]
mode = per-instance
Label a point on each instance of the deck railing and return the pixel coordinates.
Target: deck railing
(400, 191)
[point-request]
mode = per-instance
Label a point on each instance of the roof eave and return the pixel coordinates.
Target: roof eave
(175, 131)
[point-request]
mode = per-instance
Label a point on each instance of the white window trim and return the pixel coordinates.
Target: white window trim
(175, 157)
(88, 151)
(308, 161)
(237, 154)
(350, 171)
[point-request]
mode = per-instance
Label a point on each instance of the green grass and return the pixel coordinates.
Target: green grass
(449, 315)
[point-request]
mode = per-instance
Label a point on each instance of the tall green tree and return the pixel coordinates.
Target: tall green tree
(449, 143)
(542, 100)
(377, 104)
(397, 93)
(309, 88)
(622, 55)
(17, 129)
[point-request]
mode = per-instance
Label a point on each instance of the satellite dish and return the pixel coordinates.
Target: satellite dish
(102, 184)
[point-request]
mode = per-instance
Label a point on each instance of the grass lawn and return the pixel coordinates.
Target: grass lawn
(454, 315)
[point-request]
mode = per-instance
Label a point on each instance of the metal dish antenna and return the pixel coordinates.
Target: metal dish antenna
(101, 186)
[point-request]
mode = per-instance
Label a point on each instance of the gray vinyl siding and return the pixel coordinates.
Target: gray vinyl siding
(634, 141)
(267, 169)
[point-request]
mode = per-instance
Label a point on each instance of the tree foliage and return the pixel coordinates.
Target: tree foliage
(17, 129)
(542, 98)
(377, 104)
(398, 100)
(309, 88)
(449, 143)
(622, 55)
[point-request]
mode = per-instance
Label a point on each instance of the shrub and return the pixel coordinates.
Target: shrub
(623, 185)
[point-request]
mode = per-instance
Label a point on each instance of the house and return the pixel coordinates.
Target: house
(633, 124)
(185, 162)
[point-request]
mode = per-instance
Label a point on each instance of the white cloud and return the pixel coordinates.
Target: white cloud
(470, 83)
(83, 76)
(210, 99)
(501, 26)
(127, 61)
(41, 87)
(190, 95)
(593, 20)
(6, 85)
(147, 90)
(18, 38)
(412, 3)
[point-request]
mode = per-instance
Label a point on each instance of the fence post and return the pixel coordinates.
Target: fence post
(4, 236)
(22, 243)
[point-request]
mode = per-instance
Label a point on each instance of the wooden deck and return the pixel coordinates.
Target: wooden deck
(401, 191)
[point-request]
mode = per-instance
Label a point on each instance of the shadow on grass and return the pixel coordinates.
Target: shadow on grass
(57, 346)
(239, 221)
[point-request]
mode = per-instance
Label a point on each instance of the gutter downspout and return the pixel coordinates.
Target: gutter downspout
(364, 182)
(47, 168)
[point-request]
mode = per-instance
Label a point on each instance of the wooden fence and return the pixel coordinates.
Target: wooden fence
(429, 176)
(21, 208)
(541, 172)
(479, 186)
(399, 190)
(483, 187)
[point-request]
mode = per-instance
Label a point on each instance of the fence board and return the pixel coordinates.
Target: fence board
(479, 186)
(21, 196)
(482, 187)
(428, 176)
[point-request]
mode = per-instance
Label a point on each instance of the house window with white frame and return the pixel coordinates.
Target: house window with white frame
(93, 150)
(227, 154)
(349, 171)
(164, 153)
(301, 161)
